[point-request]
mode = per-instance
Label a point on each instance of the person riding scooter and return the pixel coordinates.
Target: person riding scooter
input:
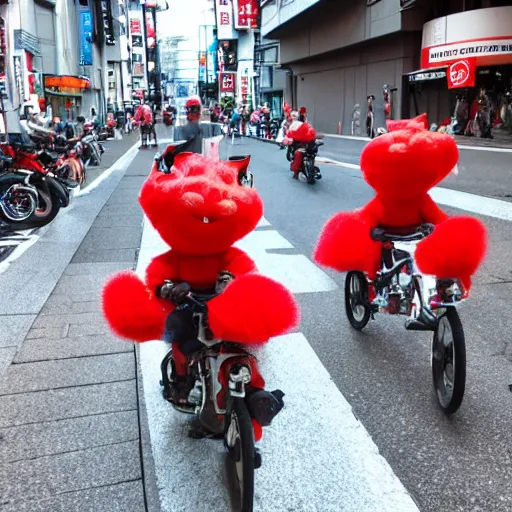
(194, 131)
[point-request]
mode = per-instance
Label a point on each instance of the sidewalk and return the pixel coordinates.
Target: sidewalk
(70, 437)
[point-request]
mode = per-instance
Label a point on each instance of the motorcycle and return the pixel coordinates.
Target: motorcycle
(428, 302)
(18, 199)
(309, 152)
(50, 191)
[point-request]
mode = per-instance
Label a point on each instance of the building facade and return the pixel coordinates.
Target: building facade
(67, 57)
(340, 53)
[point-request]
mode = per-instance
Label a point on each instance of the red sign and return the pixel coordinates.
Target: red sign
(244, 82)
(135, 27)
(224, 18)
(227, 82)
(461, 74)
(247, 12)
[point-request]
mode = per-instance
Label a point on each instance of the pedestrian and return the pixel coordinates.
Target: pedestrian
(144, 116)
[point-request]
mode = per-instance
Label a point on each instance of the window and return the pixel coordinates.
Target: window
(266, 77)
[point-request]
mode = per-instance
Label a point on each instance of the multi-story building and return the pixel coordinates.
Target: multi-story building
(56, 55)
(339, 53)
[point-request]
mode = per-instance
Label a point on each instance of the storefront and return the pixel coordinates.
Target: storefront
(64, 95)
(465, 84)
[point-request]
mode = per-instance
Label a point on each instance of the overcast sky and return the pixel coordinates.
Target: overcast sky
(183, 18)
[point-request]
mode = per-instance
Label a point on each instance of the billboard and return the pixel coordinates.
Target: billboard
(246, 14)
(275, 14)
(85, 38)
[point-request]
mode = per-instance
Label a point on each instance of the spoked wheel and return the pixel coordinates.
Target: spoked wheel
(356, 300)
(449, 361)
(240, 442)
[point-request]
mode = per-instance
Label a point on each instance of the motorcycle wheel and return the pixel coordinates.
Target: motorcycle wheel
(17, 206)
(46, 210)
(239, 440)
(357, 307)
(449, 361)
(309, 172)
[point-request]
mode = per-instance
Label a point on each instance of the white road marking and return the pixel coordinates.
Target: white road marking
(317, 457)
(473, 203)
(121, 163)
(460, 146)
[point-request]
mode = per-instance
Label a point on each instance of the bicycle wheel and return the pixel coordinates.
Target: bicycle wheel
(239, 440)
(356, 300)
(449, 361)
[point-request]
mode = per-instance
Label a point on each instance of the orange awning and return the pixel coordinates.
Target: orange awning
(67, 82)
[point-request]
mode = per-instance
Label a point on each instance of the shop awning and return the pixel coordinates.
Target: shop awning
(67, 82)
(427, 75)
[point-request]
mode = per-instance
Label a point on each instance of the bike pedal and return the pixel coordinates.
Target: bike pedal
(414, 325)
(257, 458)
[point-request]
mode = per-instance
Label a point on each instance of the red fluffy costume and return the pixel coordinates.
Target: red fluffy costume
(402, 166)
(300, 135)
(201, 210)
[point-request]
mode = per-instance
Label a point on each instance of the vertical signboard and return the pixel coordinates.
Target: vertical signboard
(227, 82)
(225, 25)
(18, 77)
(246, 14)
(85, 38)
(211, 62)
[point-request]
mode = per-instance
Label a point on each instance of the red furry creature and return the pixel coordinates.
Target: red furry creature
(200, 209)
(402, 166)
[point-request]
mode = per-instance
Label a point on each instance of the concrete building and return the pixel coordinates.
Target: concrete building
(339, 53)
(57, 53)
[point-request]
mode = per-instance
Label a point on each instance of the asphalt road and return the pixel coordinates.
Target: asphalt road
(486, 173)
(463, 463)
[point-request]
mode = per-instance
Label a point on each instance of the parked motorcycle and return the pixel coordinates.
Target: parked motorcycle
(51, 193)
(18, 199)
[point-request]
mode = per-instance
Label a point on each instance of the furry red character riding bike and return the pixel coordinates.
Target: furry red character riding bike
(201, 208)
(403, 254)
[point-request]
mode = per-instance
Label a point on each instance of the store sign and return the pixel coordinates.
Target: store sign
(227, 82)
(150, 30)
(85, 38)
(453, 38)
(18, 77)
(135, 27)
(449, 52)
(108, 24)
(462, 74)
(425, 76)
(246, 14)
(225, 25)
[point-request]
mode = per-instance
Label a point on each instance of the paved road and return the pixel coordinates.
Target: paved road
(482, 172)
(462, 463)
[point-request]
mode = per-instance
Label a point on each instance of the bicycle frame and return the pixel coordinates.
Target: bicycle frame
(428, 291)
